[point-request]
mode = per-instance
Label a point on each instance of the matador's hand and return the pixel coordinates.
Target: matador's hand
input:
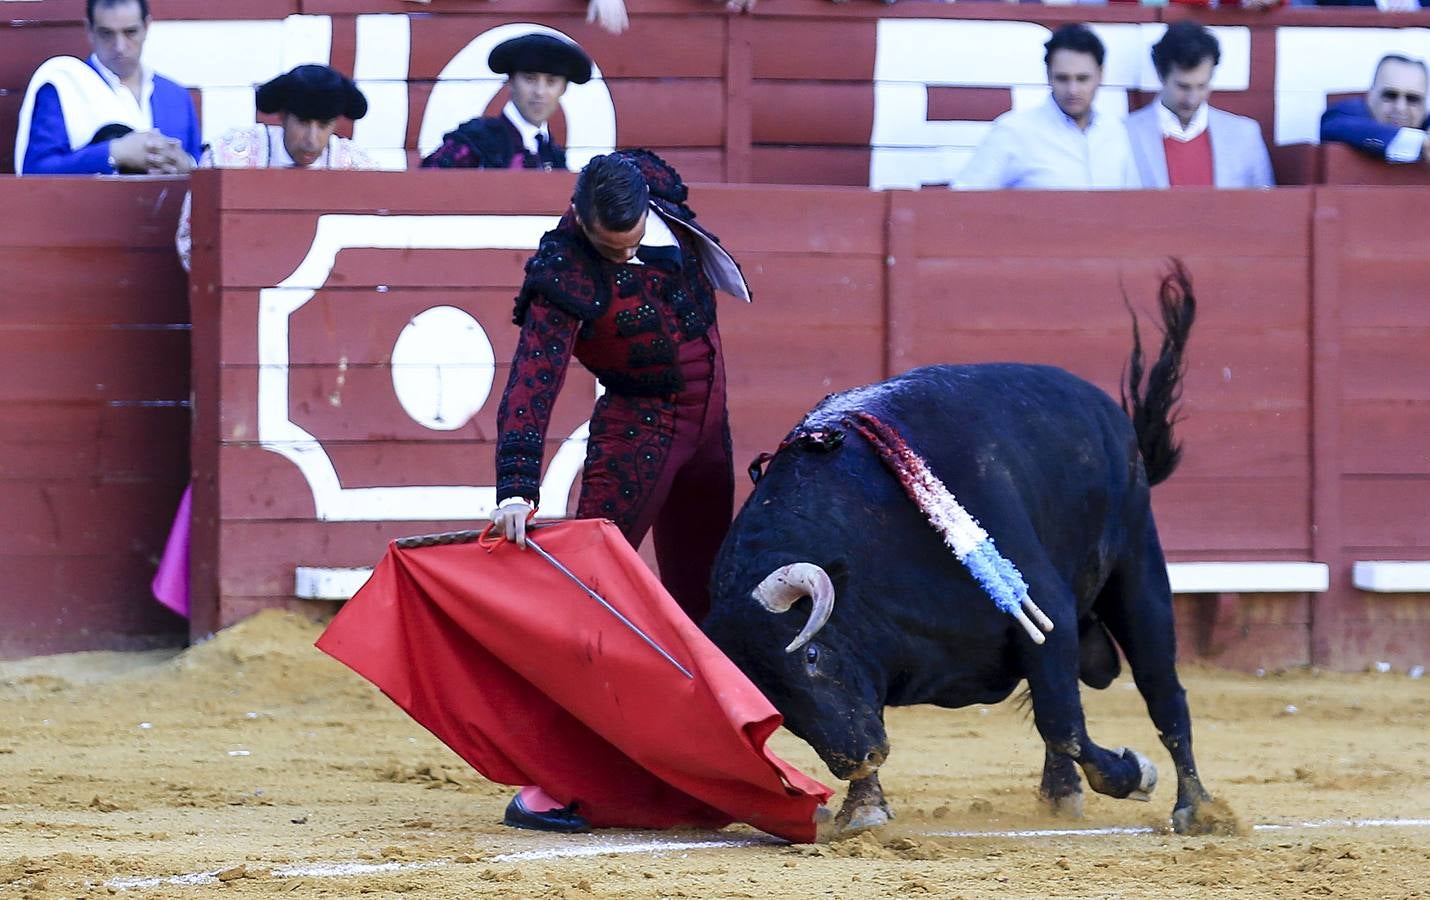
(509, 520)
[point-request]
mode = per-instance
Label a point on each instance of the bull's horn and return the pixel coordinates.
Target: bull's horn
(782, 587)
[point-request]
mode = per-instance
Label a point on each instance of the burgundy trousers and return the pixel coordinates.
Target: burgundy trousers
(665, 463)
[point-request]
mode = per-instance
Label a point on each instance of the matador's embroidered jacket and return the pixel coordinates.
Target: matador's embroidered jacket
(622, 321)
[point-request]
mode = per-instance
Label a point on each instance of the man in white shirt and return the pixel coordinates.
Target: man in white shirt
(1061, 143)
(1181, 140)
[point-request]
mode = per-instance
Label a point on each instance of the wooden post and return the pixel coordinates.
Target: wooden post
(1325, 344)
(739, 111)
(900, 279)
(205, 294)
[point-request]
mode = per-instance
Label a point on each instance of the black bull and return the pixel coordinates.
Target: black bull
(1059, 476)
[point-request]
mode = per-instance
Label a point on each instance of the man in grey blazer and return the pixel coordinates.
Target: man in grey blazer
(1180, 140)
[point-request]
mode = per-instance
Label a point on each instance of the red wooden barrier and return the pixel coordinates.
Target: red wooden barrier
(1295, 450)
(1307, 398)
(1342, 165)
(94, 360)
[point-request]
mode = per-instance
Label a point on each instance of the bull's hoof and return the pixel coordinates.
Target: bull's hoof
(1207, 817)
(1147, 783)
(862, 819)
(1067, 806)
(863, 810)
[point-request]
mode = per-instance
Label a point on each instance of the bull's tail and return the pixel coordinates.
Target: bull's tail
(1152, 404)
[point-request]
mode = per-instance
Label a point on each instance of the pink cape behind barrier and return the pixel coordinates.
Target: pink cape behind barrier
(171, 582)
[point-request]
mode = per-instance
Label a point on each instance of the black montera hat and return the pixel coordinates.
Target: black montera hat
(541, 53)
(313, 92)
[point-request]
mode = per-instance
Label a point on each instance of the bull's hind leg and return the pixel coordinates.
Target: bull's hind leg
(1098, 666)
(1052, 672)
(1062, 786)
(1137, 608)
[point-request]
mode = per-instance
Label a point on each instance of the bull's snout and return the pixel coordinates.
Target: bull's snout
(853, 768)
(876, 756)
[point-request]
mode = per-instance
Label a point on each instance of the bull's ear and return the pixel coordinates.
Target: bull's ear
(838, 571)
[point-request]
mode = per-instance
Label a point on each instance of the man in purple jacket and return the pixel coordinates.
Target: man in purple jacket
(108, 114)
(1390, 121)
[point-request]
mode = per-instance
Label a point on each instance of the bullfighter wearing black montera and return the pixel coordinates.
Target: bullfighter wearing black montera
(538, 69)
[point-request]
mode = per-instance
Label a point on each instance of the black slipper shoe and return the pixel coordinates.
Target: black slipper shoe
(563, 821)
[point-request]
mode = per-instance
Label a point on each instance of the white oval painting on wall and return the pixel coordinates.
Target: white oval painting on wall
(442, 368)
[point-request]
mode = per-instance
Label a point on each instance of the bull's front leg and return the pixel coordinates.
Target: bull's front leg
(864, 805)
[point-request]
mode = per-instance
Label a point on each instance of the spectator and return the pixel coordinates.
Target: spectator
(309, 99)
(538, 68)
(1383, 5)
(1063, 142)
(611, 15)
(1181, 140)
(1389, 122)
(69, 102)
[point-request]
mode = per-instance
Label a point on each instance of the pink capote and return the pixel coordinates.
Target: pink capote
(530, 681)
(171, 581)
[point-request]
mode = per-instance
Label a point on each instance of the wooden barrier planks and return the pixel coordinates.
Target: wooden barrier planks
(850, 286)
(93, 411)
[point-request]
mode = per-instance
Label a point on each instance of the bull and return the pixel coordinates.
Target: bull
(1059, 475)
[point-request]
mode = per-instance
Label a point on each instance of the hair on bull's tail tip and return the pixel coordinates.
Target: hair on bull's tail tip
(1151, 397)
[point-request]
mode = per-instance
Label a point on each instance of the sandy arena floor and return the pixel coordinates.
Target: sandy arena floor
(252, 765)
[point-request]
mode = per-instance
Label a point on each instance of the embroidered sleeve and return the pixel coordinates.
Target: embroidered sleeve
(563, 275)
(453, 154)
(351, 156)
(475, 144)
(538, 369)
(184, 238)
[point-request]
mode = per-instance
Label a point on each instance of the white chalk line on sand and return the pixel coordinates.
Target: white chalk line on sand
(1147, 829)
(605, 847)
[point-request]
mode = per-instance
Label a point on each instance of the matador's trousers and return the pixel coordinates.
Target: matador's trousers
(665, 463)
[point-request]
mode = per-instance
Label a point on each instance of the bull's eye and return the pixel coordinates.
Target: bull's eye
(811, 658)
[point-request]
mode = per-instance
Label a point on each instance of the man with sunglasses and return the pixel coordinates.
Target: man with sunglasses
(1390, 122)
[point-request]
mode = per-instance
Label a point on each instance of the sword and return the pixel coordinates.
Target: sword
(609, 608)
(466, 537)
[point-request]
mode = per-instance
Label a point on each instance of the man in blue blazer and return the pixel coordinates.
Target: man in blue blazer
(1390, 121)
(1179, 139)
(108, 114)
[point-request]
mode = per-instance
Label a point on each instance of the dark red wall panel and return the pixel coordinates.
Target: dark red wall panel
(94, 418)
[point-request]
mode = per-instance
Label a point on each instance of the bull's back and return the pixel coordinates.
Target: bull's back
(972, 408)
(1016, 443)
